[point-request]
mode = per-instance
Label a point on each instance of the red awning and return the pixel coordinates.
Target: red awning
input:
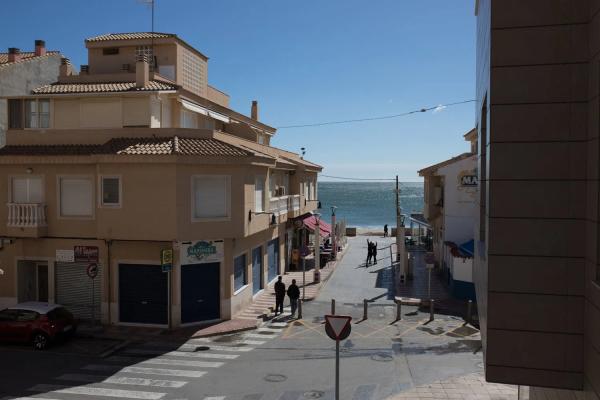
(311, 223)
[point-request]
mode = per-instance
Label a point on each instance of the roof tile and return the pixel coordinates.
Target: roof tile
(107, 87)
(129, 36)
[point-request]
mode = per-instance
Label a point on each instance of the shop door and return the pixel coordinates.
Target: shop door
(143, 294)
(200, 292)
(42, 282)
(273, 256)
(76, 291)
(257, 270)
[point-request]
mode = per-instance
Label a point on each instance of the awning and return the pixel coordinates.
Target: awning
(218, 116)
(311, 223)
(194, 107)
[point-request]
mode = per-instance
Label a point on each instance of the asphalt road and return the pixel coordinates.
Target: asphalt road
(284, 360)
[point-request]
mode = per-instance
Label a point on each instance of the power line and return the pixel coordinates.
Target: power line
(348, 121)
(361, 179)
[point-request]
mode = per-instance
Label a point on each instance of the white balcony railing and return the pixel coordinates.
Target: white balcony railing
(278, 205)
(26, 215)
(295, 202)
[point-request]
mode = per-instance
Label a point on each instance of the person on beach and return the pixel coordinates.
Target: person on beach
(279, 295)
(385, 230)
(293, 293)
(369, 253)
(374, 252)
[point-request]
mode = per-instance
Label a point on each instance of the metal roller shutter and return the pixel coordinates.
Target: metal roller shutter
(74, 289)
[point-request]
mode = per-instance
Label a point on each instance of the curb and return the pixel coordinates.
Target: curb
(115, 348)
(237, 330)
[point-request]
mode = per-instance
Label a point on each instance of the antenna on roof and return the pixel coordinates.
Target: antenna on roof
(150, 3)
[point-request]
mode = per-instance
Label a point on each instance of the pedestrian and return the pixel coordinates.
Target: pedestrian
(279, 295)
(385, 230)
(294, 294)
(369, 253)
(374, 252)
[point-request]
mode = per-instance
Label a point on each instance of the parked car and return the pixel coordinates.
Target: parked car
(36, 323)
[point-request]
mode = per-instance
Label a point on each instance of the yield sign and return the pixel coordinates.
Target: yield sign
(338, 327)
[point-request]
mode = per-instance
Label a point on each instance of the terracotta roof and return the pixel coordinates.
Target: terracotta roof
(26, 56)
(435, 167)
(129, 36)
(62, 88)
(133, 146)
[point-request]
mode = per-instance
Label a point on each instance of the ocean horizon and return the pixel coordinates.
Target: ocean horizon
(369, 205)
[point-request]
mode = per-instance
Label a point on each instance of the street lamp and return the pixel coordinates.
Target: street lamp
(317, 270)
(333, 234)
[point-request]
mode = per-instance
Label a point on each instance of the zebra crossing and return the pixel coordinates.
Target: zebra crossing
(152, 370)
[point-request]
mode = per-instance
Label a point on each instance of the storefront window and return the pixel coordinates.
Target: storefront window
(239, 272)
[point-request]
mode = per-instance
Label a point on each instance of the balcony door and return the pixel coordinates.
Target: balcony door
(27, 190)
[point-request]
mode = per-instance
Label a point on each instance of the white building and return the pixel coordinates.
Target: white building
(450, 208)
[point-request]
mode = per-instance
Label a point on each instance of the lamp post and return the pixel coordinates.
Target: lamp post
(317, 272)
(333, 234)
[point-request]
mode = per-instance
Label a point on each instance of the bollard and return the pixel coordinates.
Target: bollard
(365, 309)
(469, 311)
(398, 310)
(299, 309)
(431, 306)
(332, 306)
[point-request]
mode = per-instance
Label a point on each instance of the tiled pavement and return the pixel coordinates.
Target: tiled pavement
(417, 286)
(467, 387)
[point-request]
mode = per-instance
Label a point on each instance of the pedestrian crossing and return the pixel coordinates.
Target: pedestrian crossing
(152, 370)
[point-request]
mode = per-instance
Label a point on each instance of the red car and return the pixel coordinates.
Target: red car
(36, 323)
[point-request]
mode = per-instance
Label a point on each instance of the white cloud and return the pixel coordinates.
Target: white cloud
(439, 108)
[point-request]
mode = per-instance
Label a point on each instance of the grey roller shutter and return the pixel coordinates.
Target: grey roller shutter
(74, 289)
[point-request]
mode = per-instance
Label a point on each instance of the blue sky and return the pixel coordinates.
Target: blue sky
(306, 62)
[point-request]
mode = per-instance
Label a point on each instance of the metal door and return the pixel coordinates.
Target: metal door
(143, 294)
(257, 270)
(200, 292)
(76, 291)
(273, 256)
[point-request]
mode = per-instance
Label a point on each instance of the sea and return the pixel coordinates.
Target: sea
(369, 205)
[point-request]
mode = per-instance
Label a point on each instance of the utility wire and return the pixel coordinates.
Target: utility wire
(357, 179)
(348, 121)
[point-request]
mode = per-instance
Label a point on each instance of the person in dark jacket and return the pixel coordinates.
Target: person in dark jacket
(374, 252)
(279, 295)
(385, 230)
(293, 293)
(369, 253)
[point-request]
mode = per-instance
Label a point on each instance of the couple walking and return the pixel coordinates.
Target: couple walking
(293, 293)
(371, 253)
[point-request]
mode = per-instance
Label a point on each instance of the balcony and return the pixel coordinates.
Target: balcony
(26, 219)
(284, 204)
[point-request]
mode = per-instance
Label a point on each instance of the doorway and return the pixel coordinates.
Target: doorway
(32, 278)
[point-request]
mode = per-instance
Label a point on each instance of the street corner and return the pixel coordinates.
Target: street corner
(84, 346)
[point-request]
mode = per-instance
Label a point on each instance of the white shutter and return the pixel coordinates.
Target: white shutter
(210, 196)
(19, 190)
(27, 190)
(259, 194)
(76, 199)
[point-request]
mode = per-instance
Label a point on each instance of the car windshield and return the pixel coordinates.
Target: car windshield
(8, 315)
(59, 313)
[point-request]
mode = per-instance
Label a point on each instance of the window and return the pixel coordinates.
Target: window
(211, 196)
(240, 277)
(259, 194)
(273, 184)
(110, 51)
(37, 113)
(15, 114)
(261, 139)
(147, 51)
(111, 191)
(188, 119)
(8, 315)
(27, 190)
(76, 198)
(27, 316)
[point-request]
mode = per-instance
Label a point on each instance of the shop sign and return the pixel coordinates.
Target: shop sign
(202, 252)
(86, 253)
(468, 180)
(166, 260)
(67, 256)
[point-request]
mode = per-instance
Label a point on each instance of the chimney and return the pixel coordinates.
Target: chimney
(254, 110)
(65, 69)
(14, 54)
(40, 48)
(142, 71)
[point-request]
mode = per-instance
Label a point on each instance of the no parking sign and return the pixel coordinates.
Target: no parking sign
(92, 270)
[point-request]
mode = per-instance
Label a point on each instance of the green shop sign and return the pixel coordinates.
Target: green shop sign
(202, 251)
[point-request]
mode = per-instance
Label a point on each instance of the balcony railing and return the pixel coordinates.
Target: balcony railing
(284, 204)
(295, 202)
(26, 215)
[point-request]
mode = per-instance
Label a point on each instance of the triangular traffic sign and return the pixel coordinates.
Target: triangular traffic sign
(337, 323)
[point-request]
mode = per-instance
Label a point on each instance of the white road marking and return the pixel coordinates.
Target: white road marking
(215, 398)
(122, 380)
(273, 330)
(26, 398)
(95, 391)
(149, 371)
(200, 354)
(278, 324)
(191, 346)
(166, 361)
(258, 336)
(234, 342)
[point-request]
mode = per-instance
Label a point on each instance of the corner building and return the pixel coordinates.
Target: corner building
(137, 155)
(536, 255)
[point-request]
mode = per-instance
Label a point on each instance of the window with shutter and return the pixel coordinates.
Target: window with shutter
(27, 190)
(259, 194)
(211, 196)
(76, 197)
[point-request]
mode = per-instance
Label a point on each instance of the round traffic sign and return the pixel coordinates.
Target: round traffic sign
(92, 270)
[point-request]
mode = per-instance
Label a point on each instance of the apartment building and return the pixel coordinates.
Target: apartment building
(536, 251)
(136, 172)
(21, 72)
(450, 191)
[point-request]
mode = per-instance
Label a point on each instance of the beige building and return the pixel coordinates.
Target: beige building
(135, 155)
(537, 247)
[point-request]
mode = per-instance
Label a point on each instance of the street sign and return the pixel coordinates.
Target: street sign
(166, 260)
(338, 327)
(92, 270)
(65, 256)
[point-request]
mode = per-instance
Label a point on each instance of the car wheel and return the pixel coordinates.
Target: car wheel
(40, 341)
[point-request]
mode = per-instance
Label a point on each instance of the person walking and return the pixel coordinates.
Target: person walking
(369, 253)
(374, 252)
(279, 295)
(293, 293)
(385, 230)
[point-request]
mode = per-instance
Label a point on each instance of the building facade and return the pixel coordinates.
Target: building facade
(142, 176)
(21, 72)
(536, 251)
(450, 190)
